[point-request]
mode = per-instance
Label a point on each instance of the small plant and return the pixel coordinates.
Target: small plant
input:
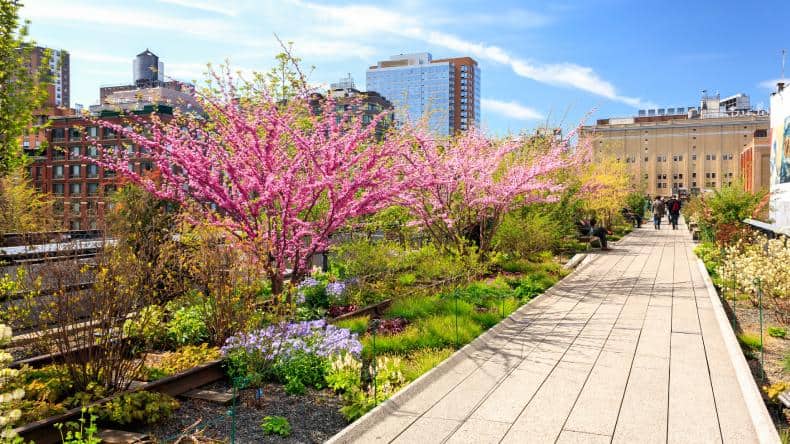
(773, 391)
(7, 376)
(299, 371)
(276, 425)
(777, 332)
(185, 358)
(79, 432)
(357, 325)
(139, 407)
(750, 341)
(786, 363)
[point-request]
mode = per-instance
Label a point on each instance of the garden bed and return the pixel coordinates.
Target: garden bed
(772, 366)
(314, 417)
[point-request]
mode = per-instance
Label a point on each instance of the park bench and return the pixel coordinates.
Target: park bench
(591, 241)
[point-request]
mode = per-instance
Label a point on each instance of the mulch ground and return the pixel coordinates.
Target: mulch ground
(314, 416)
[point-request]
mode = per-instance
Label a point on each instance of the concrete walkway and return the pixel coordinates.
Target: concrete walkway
(627, 349)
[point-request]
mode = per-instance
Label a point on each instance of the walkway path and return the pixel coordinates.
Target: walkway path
(627, 349)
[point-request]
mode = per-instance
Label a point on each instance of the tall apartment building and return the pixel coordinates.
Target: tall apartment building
(684, 148)
(367, 104)
(445, 91)
(59, 68)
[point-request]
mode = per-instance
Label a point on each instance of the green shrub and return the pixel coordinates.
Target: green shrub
(525, 232)
(421, 361)
(138, 407)
(750, 341)
(356, 325)
(299, 371)
(148, 326)
(276, 425)
(188, 325)
(711, 256)
(777, 332)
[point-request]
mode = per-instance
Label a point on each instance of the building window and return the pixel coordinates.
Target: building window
(92, 152)
(57, 172)
(74, 152)
(57, 189)
(761, 133)
(74, 225)
(726, 156)
(74, 208)
(110, 189)
(75, 134)
(661, 158)
(109, 133)
(93, 188)
(93, 171)
(710, 157)
(693, 157)
(694, 184)
(74, 171)
(93, 132)
(58, 153)
(58, 134)
(75, 189)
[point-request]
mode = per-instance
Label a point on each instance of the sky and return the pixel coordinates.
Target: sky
(542, 63)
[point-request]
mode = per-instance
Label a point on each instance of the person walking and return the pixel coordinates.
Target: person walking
(673, 206)
(659, 209)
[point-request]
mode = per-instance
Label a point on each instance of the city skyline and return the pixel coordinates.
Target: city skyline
(542, 62)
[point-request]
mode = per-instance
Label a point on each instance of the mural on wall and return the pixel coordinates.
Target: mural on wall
(783, 153)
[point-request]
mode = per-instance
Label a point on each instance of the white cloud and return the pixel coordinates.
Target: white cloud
(512, 109)
(115, 16)
(208, 6)
(365, 20)
(771, 84)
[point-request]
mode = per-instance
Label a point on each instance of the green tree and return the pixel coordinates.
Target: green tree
(22, 208)
(21, 92)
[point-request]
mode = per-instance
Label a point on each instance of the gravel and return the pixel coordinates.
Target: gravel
(314, 416)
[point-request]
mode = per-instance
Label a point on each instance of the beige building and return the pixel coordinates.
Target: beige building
(683, 149)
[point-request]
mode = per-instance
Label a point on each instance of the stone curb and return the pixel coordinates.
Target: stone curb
(354, 430)
(761, 419)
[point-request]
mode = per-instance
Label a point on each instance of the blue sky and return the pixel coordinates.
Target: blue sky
(541, 61)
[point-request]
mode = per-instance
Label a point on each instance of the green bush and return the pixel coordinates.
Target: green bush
(343, 374)
(299, 371)
(83, 431)
(276, 425)
(138, 407)
(525, 232)
(711, 256)
(148, 326)
(777, 332)
(188, 325)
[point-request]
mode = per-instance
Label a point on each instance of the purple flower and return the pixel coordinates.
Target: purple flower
(335, 289)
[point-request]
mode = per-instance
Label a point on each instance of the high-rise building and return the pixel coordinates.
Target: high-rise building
(688, 148)
(59, 90)
(349, 99)
(446, 92)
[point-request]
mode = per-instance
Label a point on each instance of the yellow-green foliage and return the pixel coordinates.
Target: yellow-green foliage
(356, 325)
(421, 361)
(8, 395)
(187, 357)
(139, 407)
(774, 390)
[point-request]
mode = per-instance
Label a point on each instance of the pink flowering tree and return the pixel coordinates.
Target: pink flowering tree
(471, 181)
(280, 177)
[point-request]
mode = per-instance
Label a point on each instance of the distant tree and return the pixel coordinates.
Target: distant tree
(22, 208)
(472, 181)
(608, 185)
(21, 92)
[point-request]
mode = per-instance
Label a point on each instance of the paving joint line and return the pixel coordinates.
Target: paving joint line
(600, 351)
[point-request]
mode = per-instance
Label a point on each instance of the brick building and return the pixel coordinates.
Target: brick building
(80, 188)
